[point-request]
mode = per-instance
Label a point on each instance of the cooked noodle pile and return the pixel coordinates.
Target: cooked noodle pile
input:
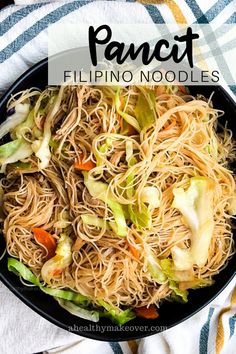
(86, 126)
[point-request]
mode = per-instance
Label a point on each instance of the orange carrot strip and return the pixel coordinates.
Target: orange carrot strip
(57, 272)
(45, 239)
(84, 166)
(120, 120)
(182, 89)
(122, 103)
(133, 250)
(147, 312)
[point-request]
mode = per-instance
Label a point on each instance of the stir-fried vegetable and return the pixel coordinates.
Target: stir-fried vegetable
(151, 196)
(147, 312)
(20, 166)
(154, 267)
(145, 112)
(127, 117)
(117, 315)
(84, 166)
(99, 163)
(17, 149)
(78, 311)
(180, 281)
(134, 250)
(63, 220)
(26, 125)
(14, 151)
(174, 277)
(21, 113)
(102, 151)
(140, 216)
(41, 147)
(69, 300)
(195, 283)
(196, 206)
(183, 89)
(9, 149)
(60, 261)
(20, 269)
(100, 191)
(129, 150)
(46, 240)
(72, 301)
(179, 294)
(93, 220)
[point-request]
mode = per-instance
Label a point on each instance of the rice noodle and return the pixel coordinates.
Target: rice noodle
(165, 157)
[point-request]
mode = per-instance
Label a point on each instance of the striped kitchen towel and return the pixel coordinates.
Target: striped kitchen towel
(23, 42)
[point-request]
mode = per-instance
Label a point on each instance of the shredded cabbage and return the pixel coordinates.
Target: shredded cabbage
(127, 117)
(117, 315)
(61, 260)
(154, 268)
(102, 150)
(173, 278)
(129, 150)
(195, 283)
(196, 205)
(14, 151)
(182, 294)
(100, 191)
(171, 89)
(21, 270)
(140, 215)
(63, 221)
(94, 220)
(18, 149)
(43, 149)
(28, 123)
(21, 113)
(9, 149)
(150, 195)
(91, 315)
(145, 112)
(172, 273)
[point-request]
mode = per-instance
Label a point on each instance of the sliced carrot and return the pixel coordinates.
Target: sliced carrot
(122, 102)
(45, 239)
(84, 166)
(120, 120)
(133, 250)
(147, 312)
(182, 89)
(57, 272)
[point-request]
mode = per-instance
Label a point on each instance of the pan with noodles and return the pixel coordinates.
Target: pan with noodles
(116, 200)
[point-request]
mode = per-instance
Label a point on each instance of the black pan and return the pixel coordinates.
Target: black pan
(171, 314)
